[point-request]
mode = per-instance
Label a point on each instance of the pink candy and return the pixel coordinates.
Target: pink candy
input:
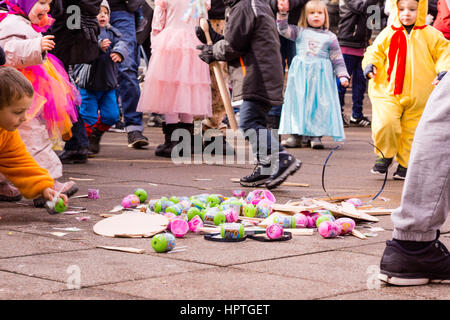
(347, 225)
(329, 229)
(274, 231)
(93, 193)
(256, 196)
(239, 193)
(301, 221)
(195, 223)
(131, 201)
(355, 201)
(231, 215)
(179, 227)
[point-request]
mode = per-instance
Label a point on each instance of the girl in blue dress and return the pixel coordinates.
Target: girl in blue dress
(311, 103)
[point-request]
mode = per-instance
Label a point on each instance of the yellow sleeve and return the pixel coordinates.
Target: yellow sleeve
(19, 167)
(376, 53)
(440, 51)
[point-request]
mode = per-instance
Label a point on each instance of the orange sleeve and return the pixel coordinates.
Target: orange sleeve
(19, 167)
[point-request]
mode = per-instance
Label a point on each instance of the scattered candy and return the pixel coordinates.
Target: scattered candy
(163, 242)
(93, 193)
(329, 229)
(195, 223)
(355, 201)
(142, 194)
(179, 227)
(347, 225)
(274, 231)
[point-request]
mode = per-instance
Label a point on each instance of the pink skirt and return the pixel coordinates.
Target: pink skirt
(177, 81)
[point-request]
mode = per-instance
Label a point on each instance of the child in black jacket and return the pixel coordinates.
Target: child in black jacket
(251, 47)
(97, 82)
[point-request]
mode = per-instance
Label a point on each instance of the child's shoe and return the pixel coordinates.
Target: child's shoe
(316, 143)
(9, 193)
(94, 140)
(286, 165)
(360, 122)
(404, 267)
(293, 141)
(306, 142)
(400, 173)
(381, 165)
(256, 178)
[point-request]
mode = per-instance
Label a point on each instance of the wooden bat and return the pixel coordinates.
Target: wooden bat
(224, 93)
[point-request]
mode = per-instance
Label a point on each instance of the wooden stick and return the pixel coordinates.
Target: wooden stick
(339, 210)
(345, 197)
(123, 249)
(292, 208)
(224, 93)
(358, 234)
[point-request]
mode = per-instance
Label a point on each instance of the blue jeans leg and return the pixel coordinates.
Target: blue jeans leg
(128, 71)
(253, 123)
(359, 85)
(109, 110)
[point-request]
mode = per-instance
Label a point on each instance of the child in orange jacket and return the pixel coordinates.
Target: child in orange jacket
(16, 164)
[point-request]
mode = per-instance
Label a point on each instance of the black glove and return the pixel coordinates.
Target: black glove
(2, 57)
(207, 53)
(201, 34)
(90, 28)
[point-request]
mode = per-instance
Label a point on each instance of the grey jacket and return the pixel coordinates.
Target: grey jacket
(251, 46)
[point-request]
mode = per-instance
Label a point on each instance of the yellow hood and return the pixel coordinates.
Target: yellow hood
(421, 14)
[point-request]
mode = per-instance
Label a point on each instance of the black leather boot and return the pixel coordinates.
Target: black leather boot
(94, 140)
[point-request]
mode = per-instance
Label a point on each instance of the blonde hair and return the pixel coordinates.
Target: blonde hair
(313, 4)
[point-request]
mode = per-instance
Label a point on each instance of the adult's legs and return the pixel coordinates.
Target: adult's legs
(415, 255)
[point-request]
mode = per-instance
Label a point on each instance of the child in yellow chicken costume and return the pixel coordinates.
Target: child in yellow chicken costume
(404, 61)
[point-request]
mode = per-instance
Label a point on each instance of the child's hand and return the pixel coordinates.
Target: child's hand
(117, 58)
(372, 72)
(283, 6)
(344, 81)
(47, 43)
(439, 78)
(50, 193)
(104, 44)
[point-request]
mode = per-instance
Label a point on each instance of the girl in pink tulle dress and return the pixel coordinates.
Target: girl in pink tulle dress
(177, 83)
(55, 98)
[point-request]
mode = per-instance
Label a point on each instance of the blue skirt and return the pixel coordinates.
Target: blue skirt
(311, 101)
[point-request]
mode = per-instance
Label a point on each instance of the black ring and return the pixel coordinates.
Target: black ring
(214, 237)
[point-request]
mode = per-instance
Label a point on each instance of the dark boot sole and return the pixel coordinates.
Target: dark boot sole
(253, 184)
(10, 199)
(289, 171)
(139, 144)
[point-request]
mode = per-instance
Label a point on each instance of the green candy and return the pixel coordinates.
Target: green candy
(249, 210)
(325, 217)
(142, 194)
(192, 212)
(232, 230)
(214, 217)
(163, 242)
(174, 199)
(213, 200)
(60, 206)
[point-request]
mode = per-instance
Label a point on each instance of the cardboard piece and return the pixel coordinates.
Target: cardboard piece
(131, 225)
